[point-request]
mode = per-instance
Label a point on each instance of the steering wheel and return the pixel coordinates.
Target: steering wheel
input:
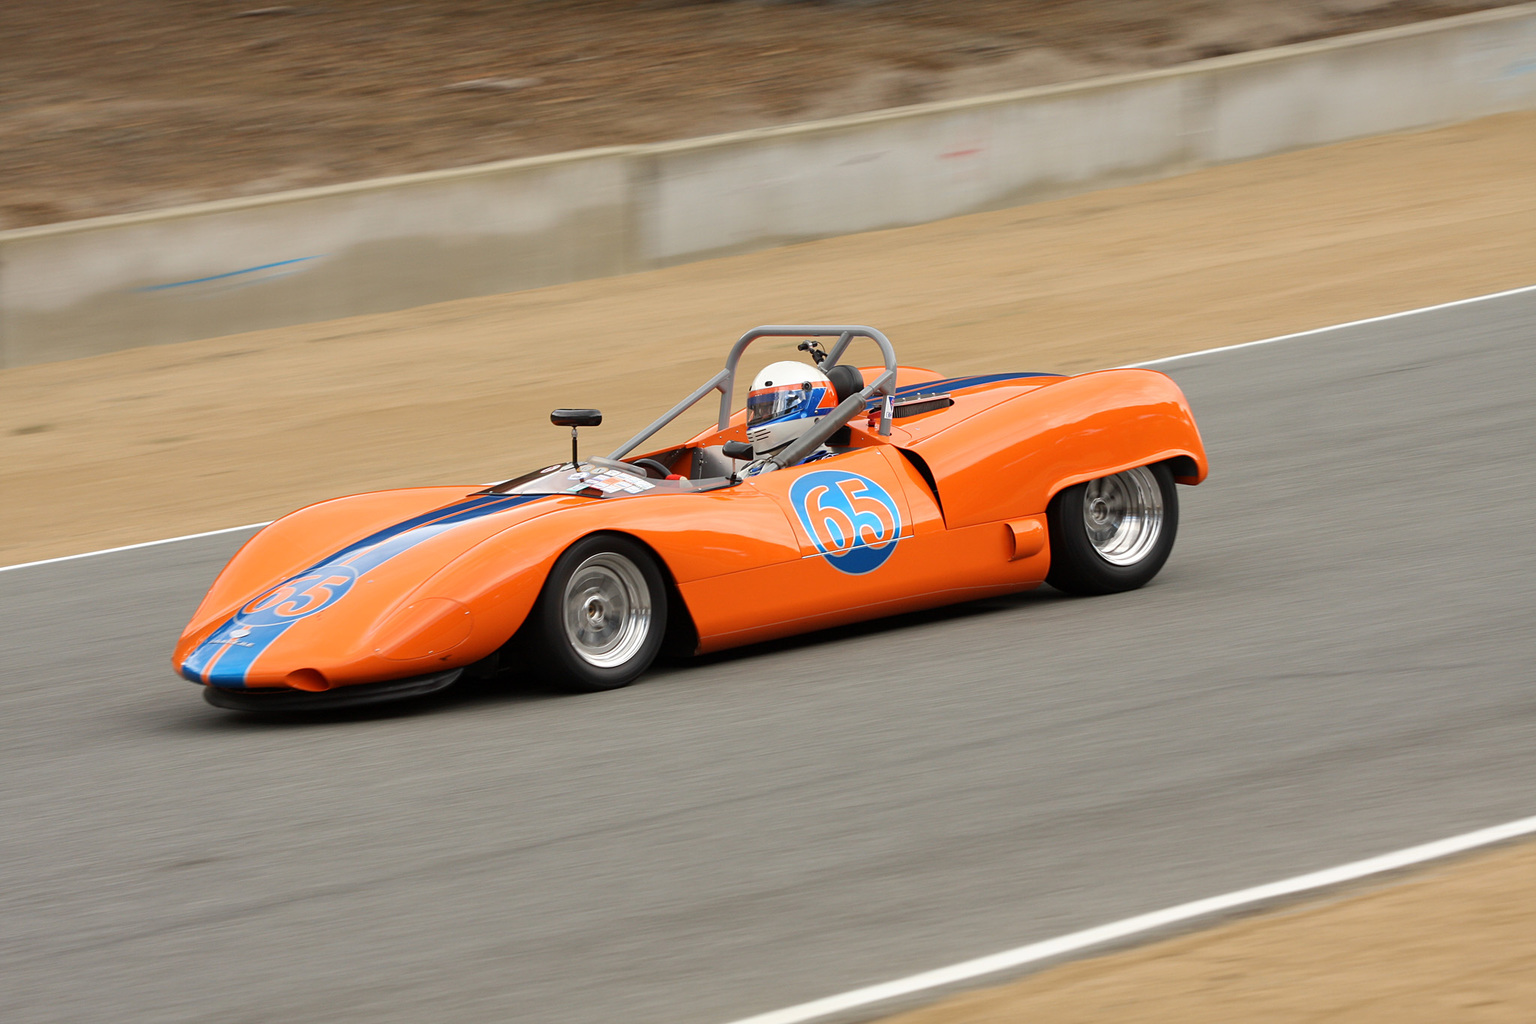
(652, 468)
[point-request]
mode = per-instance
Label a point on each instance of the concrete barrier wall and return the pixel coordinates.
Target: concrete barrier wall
(1433, 73)
(759, 189)
(88, 287)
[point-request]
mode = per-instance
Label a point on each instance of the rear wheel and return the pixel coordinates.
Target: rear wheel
(601, 616)
(1113, 533)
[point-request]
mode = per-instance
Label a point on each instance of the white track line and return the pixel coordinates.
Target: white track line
(1339, 327)
(133, 547)
(1143, 923)
(1154, 362)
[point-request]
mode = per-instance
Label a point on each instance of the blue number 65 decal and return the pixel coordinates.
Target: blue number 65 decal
(299, 597)
(854, 522)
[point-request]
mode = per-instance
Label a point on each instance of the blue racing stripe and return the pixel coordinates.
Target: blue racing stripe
(954, 384)
(957, 383)
(469, 508)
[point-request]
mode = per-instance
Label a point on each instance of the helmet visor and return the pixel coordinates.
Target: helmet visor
(770, 404)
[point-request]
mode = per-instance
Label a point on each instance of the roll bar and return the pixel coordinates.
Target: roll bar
(725, 383)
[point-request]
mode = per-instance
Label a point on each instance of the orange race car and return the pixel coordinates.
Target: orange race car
(838, 494)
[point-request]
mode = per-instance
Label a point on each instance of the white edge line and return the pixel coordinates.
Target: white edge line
(1333, 327)
(1036, 951)
(133, 547)
(1153, 362)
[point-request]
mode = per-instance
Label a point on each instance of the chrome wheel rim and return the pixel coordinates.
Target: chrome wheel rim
(607, 610)
(1123, 515)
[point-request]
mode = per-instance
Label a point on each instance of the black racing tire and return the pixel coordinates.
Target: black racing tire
(601, 617)
(1112, 534)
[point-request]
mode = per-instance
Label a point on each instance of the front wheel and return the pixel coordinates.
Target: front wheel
(1113, 533)
(602, 615)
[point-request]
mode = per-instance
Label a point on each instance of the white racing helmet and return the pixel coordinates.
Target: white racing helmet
(786, 400)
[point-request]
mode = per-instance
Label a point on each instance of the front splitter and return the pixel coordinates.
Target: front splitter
(284, 699)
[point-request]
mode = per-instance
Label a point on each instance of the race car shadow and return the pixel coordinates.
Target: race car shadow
(877, 627)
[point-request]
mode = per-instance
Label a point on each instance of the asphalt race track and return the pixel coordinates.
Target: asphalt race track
(1336, 662)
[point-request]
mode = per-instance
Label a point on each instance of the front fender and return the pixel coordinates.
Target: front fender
(279, 615)
(304, 537)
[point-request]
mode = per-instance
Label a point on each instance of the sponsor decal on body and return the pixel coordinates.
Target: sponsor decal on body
(854, 522)
(613, 483)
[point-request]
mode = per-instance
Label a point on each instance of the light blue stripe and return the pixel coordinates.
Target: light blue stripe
(220, 277)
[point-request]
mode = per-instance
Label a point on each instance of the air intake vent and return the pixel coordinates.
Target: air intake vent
(913, 405)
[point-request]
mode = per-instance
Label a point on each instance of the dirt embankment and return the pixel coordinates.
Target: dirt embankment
(111, 107)
(155, 442)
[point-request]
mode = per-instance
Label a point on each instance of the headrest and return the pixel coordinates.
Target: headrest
(847, 380)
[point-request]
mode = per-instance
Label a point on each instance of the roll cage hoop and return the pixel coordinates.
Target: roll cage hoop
(725, 382)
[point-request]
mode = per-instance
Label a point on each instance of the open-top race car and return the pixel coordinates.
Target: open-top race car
(839, 494)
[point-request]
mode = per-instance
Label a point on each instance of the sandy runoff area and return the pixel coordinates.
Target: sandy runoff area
(1454, 943)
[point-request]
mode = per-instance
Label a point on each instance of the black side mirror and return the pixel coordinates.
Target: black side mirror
(576, 418)
(737, 450)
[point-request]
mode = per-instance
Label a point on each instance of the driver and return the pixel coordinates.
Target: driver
(787, 399)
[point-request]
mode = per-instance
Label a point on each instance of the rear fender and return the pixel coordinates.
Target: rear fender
(1009, 461)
